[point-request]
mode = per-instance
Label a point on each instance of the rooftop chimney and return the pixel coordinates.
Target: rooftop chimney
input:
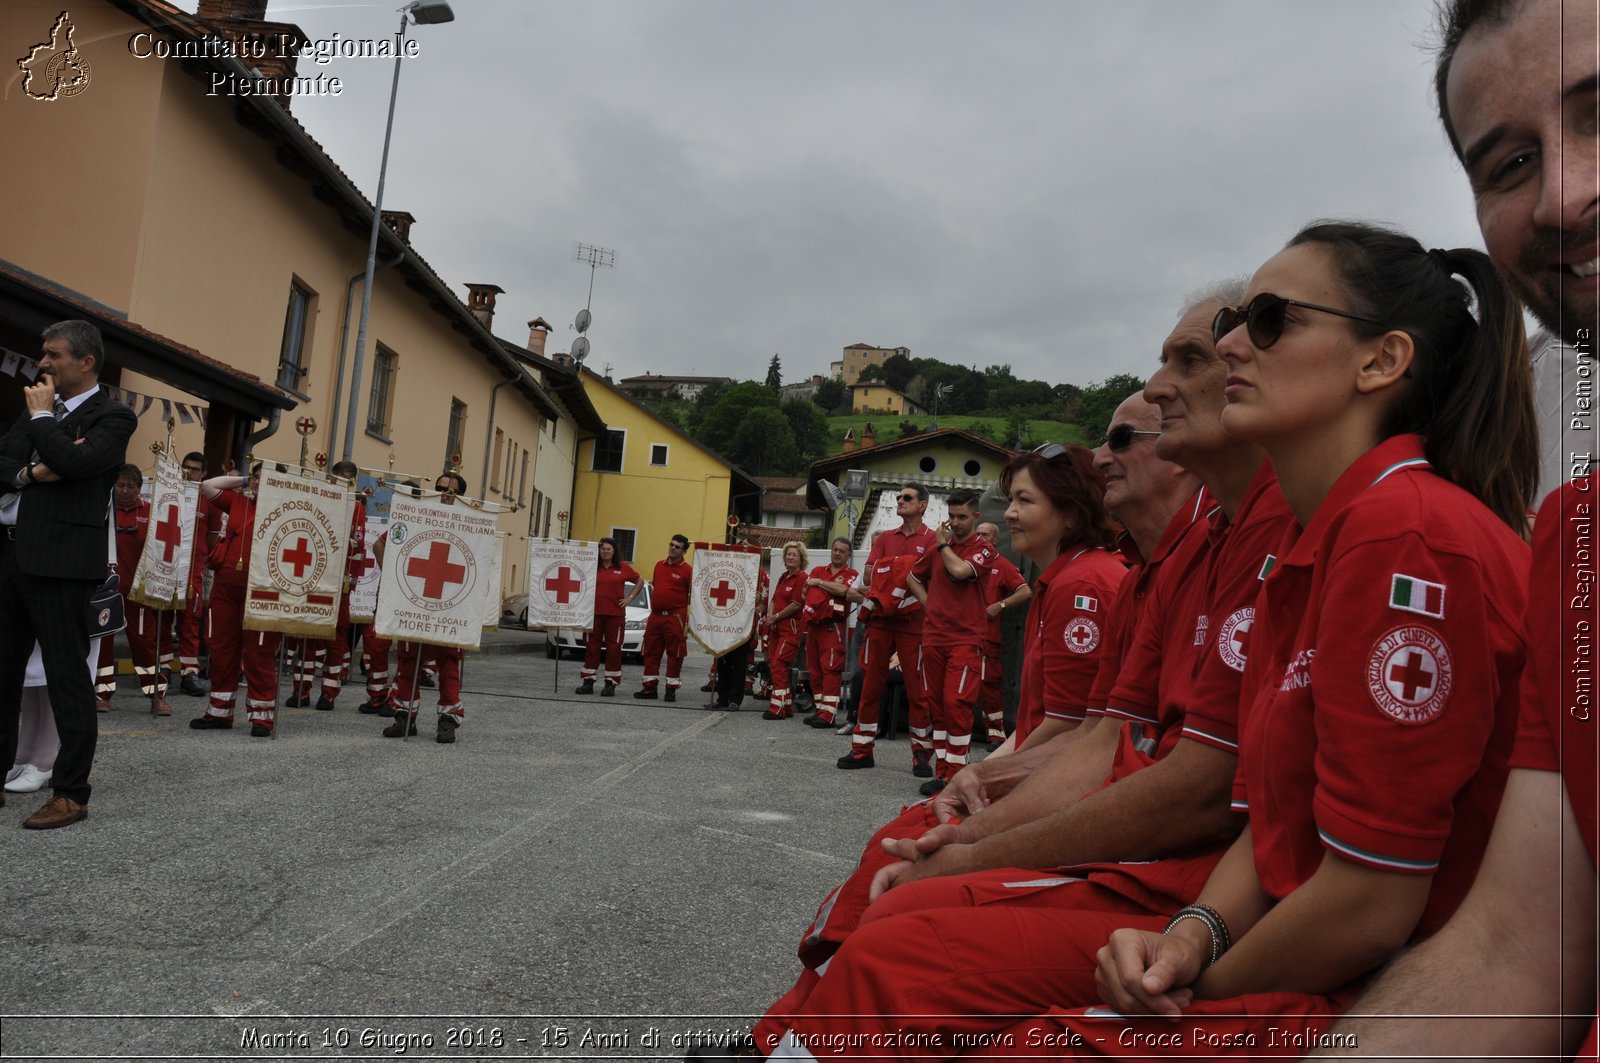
(400, 221)
(869, 438)
(272, 48)
(564, 360)
(538, 333)
(480, 300)
(233, 10)
(849, 440)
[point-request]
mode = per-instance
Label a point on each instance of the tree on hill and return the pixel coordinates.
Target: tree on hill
(812, 436)
(832, 396)
(763, 443)
(775, 374)
(1097, 402)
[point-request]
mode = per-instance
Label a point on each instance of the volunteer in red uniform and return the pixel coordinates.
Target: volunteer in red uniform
(825, 613)
(665, 631)
(611, 601)
(233, 649)
(1003, 588)
(411, 657)
(948, 583)
(192, 615)
(784, 630)
(131, 515)
(959, 918)
(332, 655)
(1381, 691)
(893, 621)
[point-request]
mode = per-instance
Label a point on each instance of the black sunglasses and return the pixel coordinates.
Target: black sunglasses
(1264, 316)
(1122, 436)
(908, 497)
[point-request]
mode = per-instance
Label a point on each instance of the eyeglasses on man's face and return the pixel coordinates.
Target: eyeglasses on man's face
(1122, 437)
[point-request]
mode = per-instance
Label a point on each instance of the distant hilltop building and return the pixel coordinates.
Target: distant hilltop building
(802, 389)
(654, 384)
(858, 356)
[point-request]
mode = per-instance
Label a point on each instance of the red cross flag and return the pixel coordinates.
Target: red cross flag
(434, 568)
(364, 592)
(561, 578)
(297, 555)
(722, 602)
(162, 579)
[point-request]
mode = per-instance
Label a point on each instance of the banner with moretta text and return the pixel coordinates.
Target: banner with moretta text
(432, 588)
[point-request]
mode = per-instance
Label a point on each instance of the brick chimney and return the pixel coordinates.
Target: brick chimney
(869, 438)
(480, 300)
(849, 440)
(538, 333)
(564, 360)
(400, 221)
(273, 48)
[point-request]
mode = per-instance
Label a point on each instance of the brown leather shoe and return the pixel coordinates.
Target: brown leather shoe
(102, 703)
(159, 706)
(57, 812)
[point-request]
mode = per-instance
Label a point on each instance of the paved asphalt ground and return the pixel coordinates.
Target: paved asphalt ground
(574, 878)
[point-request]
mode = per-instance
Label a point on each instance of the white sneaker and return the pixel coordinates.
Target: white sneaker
(28, 780)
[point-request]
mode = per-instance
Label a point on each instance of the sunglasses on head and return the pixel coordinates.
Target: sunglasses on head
(1122, 436)
(1264, 316)
(1050, 450)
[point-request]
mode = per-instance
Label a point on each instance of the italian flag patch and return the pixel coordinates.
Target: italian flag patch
(1416, 595)
(1267, 566)
(1085, 603)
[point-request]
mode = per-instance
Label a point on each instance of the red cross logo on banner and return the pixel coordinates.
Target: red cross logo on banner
(723, 593)
(299, 557)
(562, 585)
(436, 570)
(1414, 678)
(169, 533)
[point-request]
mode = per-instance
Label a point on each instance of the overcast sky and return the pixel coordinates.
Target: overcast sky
(1031, 183)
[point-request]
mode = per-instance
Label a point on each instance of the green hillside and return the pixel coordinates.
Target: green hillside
(992, 428)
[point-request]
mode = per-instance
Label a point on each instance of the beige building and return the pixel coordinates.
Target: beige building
(882, 399)
(858, 356)
(217, 222)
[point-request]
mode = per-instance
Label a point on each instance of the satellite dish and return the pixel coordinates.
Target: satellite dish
(581, 322)
(831, 493)
(580, 348)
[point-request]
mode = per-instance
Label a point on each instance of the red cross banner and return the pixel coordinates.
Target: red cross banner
(722, 602)
(434, 569)
(162, 579)
(297, 554)
(561, 578)
(491, 584)
(364, 592)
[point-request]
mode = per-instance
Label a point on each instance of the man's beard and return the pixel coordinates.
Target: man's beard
(1576, 321)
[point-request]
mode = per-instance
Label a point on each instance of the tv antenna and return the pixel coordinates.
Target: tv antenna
(596, 257)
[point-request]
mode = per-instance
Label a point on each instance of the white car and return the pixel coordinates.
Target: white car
(571, 641)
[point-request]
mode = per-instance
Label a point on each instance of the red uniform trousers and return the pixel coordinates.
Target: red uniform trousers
(375, 654)
(784, 648)
(664, 633)
(233, 649)
(951, 676)
(964, 953)
(825, 664)
(188, 622)
(408, 680)
(883, 639)
(331, 655)
(607, 630)
(990, 703)
(147, 645)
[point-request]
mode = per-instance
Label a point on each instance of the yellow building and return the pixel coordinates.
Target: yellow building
(641, 481)
(882, 399)
(858, 356)
(213, 219)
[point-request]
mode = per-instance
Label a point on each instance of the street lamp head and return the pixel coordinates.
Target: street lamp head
(429, 12)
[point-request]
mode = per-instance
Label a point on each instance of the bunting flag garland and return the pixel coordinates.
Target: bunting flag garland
(298, 551)
(162, 579)
(561, 579)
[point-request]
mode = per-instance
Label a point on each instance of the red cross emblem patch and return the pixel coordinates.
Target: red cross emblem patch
(1234, 639)
(1410, 674)
(1082, 634)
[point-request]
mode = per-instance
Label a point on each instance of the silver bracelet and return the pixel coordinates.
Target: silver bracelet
(1220, 940)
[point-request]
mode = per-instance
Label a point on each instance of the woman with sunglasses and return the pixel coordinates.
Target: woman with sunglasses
(1379, 699)
(611, 600)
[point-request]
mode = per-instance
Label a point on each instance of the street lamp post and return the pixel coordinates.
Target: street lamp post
(423, 13)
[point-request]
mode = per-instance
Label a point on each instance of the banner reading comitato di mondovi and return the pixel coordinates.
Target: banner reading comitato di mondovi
(561, 577)
(297, 554)
(722, 601)
(434, 566)
(162, 579)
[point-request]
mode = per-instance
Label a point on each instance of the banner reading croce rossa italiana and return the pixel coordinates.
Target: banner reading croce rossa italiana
(162, 579)
(434, 565)
(561, 577)
(297, 554)
(722, 601)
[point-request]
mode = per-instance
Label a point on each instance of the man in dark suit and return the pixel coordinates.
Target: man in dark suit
(58, 463)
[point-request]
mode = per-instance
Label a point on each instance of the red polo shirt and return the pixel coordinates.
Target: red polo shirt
(1000, 580)
(957, 612)
(669, 587)
(790, 589)
(891, 558)
(1380, 699)
(820, 607)
(610, 587)
(1072, 605)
